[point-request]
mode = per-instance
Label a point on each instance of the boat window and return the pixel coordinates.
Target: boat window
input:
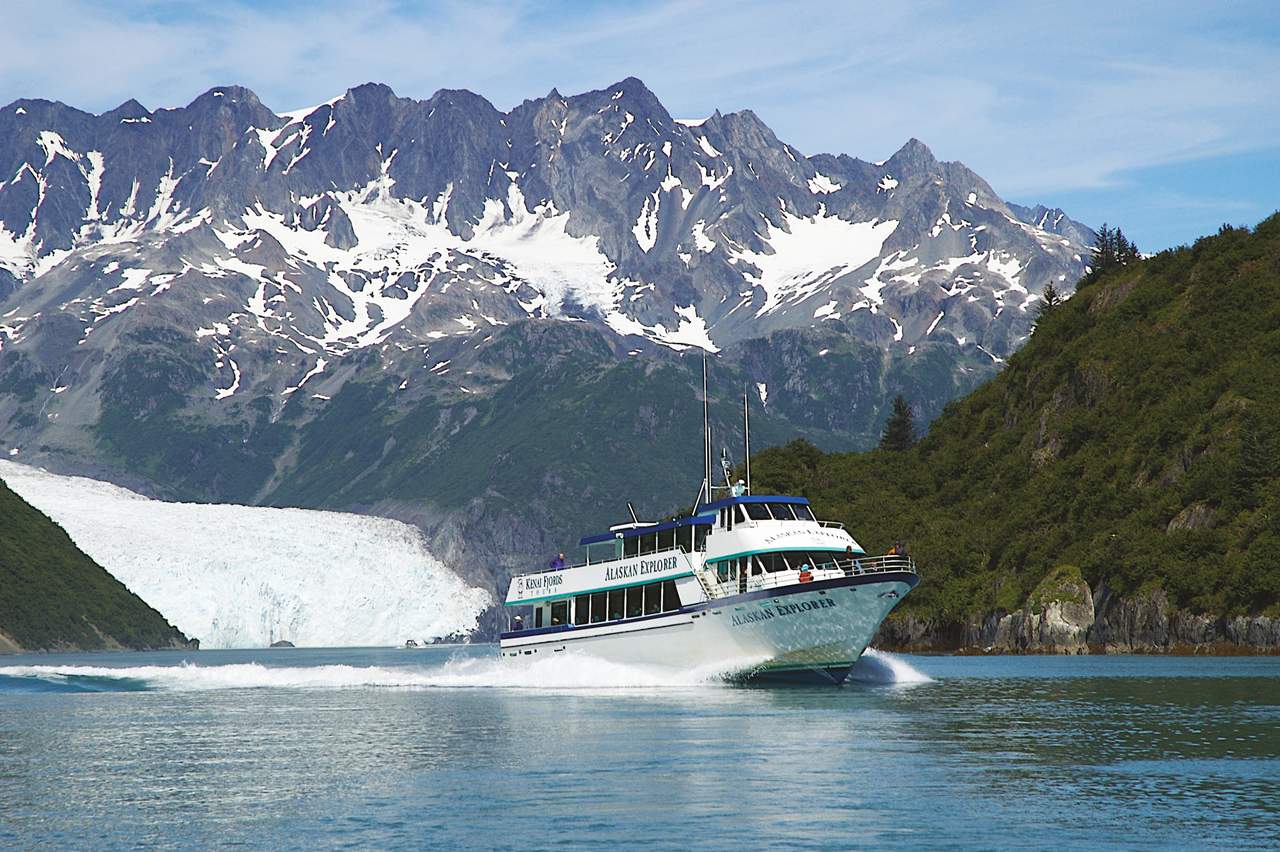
(722, 572)
(582, 609)
(737, 513)
(670, 597)
(823, 559)
(537, 616)
(782, 512)
(804, 513)
(559, 613)
(728, 517)
(635, 601)
(757, 566)
(700, 538)
(652, 598)
(772, 562)
(757, 511)
(668, 540)
(799, 561)
(744, 563)
(631, 546)
(617, 603)
(685, 535)
(599, 611)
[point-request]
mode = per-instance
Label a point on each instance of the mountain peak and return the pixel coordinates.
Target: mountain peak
(129, 109)
(221, 96)
(369, 91)
(915, 154)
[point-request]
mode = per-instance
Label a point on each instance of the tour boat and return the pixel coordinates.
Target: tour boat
(754, 585)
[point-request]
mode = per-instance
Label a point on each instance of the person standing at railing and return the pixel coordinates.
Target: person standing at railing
(557, 564)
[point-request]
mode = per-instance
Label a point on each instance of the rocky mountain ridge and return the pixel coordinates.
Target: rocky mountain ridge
(464, 317)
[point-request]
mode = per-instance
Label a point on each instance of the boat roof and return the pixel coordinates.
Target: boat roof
(702, 518)
(752, 498)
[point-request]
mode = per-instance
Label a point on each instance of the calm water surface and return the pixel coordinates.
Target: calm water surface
(445, 748)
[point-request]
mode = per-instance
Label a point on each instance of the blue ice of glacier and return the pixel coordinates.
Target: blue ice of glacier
(245, 576)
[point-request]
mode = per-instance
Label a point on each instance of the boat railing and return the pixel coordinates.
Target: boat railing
(854, 567)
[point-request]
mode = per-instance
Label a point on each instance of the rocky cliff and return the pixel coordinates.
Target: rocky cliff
(1081, 622)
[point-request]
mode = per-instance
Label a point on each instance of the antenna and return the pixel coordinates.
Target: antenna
(706, 430)
(746, 438)
(704, 490)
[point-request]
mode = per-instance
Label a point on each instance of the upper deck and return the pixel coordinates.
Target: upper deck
(638, 553)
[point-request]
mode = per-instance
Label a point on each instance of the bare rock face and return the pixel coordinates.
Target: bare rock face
(1134, 625)
(1145, 623)
(1055, 620)
(1194, 517)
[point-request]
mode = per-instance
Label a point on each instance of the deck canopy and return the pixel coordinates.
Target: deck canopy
(765, 498)
(646, 530)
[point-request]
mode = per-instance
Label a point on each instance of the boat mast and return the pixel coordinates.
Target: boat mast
(706, 431)
(746, 439)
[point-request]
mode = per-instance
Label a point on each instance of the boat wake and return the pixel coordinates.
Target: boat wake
(567, 672)
(885, 668)
(563, 672)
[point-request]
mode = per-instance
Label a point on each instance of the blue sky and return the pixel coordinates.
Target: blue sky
(1160, 117)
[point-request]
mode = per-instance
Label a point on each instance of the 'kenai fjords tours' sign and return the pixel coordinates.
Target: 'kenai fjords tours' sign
(596, 578)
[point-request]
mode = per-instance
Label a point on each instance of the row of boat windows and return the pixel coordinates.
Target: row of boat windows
(613, 605)
(689, 539)
(740, 512)
(693, 538)
(791, 560)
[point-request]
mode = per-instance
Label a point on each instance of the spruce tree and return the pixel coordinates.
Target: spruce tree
(1104, 250)
(1255, 464)
(900, 430)
(1049, 300)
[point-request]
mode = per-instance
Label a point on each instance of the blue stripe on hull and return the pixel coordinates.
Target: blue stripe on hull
(816, 676)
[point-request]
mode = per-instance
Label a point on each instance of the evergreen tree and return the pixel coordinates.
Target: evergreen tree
(1104, 250)
(1255, 465)
(1049, 300)
(1111, 249)
(900, 430)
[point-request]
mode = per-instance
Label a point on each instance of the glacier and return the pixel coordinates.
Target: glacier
(245, 576)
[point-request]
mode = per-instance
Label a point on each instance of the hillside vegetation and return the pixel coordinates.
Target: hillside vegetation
(53, 596)
(1136, 435)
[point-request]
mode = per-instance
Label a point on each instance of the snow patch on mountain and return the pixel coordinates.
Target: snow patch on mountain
(241, 576)
(821, 184)
(807, 254)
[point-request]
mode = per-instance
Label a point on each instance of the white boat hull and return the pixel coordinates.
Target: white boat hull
(802, 632)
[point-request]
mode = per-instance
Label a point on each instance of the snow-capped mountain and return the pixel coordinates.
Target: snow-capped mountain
(373, 220)
(463, 317)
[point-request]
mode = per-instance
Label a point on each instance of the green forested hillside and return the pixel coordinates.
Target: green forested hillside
(53, 596)
(1136, 435)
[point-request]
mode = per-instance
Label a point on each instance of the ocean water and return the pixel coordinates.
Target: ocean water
(448, 748)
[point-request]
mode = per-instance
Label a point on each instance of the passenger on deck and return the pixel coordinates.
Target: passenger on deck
(557, 564)
(517, 624)
(739, 488)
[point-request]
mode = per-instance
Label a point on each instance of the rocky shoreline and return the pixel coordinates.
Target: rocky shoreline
(1081, 621)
